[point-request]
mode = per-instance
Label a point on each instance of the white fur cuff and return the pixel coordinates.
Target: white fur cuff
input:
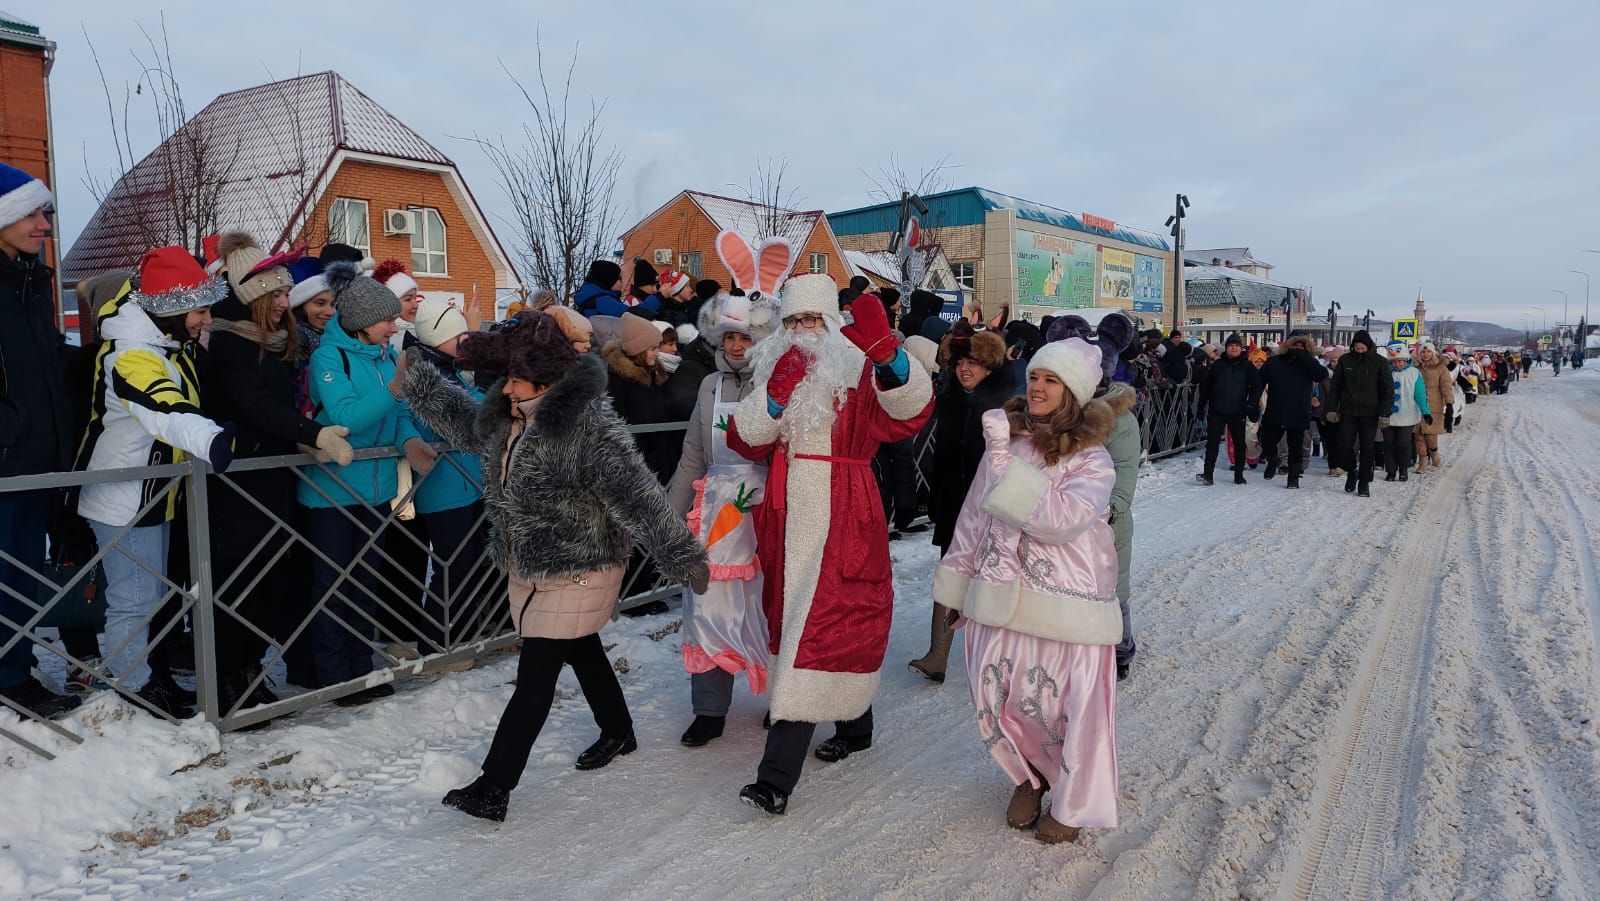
(1054, 617)
(755, 426)
(1014, 498)
(950, 587)
(908, 400)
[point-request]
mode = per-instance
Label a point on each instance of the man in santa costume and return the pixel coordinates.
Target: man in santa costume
(826, 396)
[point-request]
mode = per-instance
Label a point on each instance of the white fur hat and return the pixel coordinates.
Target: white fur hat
(307, 289)
(810, 293)
(1075, 362)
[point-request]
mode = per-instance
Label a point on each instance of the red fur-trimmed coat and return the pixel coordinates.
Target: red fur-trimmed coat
(824, 546)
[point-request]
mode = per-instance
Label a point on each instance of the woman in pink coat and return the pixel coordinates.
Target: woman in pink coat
(1032, 572)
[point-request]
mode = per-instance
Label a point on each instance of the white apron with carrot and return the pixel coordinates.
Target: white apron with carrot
(725, 628)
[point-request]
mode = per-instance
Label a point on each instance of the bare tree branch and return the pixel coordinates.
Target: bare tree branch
(776, 214)
(559, 177)
(892, 180)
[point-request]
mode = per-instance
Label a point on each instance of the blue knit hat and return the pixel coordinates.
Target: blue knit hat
(20, 195)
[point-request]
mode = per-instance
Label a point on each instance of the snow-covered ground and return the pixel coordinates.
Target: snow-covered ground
(1334, 697)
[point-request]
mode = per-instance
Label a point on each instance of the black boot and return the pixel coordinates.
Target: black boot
(1272, 469)
(1238, 477)
(1350, 482)
(156, 694)
(480, 799)
(1405, 475)
(763, 796)
(1205, 478)
(1388, 476)
(32, 695)
(838, 748)
(703, 730)
(1365, 490)
(607, 749)
(1294, 481)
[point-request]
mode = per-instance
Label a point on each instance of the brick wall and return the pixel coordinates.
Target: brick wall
(24, 125)
(394, 188)
(682, 227)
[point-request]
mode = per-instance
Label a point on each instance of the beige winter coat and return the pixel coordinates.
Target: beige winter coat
(1440, 384)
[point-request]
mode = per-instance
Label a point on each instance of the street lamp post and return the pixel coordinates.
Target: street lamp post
(1563, 313)
(1366, 322)
(1180, 205)
(1583, 338)
(1333, 319)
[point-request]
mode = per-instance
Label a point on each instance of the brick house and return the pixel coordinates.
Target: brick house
(682, 234)
(315, 161)
(26, 57)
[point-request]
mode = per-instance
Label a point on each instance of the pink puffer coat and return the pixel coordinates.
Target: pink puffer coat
(1032, 550)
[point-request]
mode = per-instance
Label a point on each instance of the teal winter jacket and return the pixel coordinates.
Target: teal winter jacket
(349, 384)
(457, 479)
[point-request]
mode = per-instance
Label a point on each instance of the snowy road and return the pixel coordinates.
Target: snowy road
(1334, 697)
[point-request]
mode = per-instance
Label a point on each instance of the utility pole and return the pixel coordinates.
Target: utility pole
(1333, 319)
(1175, 223)
(1559, 338)
(1583, 329)
(1366, 323)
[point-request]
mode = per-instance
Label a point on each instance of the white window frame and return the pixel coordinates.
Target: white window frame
(692, 263)
(817, 263)
(967, 280)
(428, 253)
(339, 212)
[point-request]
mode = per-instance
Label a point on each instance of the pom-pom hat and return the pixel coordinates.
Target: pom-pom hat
(171, 282)
(1075, 362)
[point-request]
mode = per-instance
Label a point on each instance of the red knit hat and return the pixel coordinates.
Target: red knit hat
(172, 282)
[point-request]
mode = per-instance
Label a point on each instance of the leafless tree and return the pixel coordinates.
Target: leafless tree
(775, 212)
(1444, 330)
(559, 178)
(893, 179)
(174, 195)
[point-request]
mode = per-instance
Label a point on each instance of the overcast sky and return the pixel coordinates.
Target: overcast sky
(1364, 148)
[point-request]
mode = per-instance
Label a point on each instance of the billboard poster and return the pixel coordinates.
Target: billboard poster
(1116, 278)
(1053, 271)
(1149, 283)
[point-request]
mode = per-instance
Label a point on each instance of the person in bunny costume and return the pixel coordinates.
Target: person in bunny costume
(1032, 572)
(826, 396)
(719, 491)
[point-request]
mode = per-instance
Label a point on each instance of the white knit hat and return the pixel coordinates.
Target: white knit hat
(810, 293)
(438, 321)
(1075, 362)
(687, 333)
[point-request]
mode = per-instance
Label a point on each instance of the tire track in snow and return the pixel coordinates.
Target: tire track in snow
(1356, 796)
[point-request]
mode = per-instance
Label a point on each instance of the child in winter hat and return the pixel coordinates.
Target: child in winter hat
(21, 195)
(362, 302)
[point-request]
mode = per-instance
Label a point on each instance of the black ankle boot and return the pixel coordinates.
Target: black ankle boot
(838, 748)
(480, 799)
(703, 730)
(763, 796)
(607, 749)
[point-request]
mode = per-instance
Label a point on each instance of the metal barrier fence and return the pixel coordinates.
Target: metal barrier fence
(451, 606)
(1170, 420)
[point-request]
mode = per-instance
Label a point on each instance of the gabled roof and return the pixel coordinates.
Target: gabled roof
(1238, 256)
(281, 139)
(885, 266)
(747, 218)
(17, 30)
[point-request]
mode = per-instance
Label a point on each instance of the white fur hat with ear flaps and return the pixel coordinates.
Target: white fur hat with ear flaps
(811, 293)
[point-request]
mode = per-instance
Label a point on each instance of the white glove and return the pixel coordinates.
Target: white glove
(331, 441)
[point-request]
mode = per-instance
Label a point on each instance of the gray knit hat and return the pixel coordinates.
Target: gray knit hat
(360, 301)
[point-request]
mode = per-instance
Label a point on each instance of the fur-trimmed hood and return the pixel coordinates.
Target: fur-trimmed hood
(1304, 342)
(1120, 397)
(631, 368)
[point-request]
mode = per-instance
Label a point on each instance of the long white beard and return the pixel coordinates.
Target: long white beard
(835, 370)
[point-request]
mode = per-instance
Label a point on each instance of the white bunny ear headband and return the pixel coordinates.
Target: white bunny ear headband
(760, 271)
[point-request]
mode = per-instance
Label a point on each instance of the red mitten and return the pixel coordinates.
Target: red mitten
(787, 375)
(870, 331)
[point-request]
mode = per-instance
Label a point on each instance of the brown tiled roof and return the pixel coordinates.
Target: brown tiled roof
(281, 137)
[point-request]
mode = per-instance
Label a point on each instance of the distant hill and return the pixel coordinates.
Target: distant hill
(1475, 333)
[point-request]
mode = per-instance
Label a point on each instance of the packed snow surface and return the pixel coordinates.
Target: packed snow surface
(1333, 697)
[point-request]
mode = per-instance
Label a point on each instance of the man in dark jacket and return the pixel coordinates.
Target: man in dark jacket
(979, 380)
(1361, 392)
(1175, 358)
(35, 421)
(601, 291)
(1289, 379)
(1229, 384)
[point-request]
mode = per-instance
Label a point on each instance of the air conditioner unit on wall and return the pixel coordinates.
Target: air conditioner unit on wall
(663, 256)
(399, 222)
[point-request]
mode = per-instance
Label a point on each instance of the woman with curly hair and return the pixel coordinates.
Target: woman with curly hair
(1032, 571)
(565, 488)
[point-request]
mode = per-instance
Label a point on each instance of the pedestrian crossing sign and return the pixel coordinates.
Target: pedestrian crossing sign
(1405, 329)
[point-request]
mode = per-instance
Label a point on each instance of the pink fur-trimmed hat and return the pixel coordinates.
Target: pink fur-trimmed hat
(1075, 362)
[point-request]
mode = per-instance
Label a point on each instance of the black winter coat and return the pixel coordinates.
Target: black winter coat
(639, 396)
(1229, 384)
(257, 394)
(1363, 385)
(1288, 379)
(1175, 362)
(958, 445)
(683, 386)
(35, 413)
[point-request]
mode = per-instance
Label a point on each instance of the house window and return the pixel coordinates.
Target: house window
(427, 243)
(966, 275)
(347, 223)
(689, 263)
(819, 264)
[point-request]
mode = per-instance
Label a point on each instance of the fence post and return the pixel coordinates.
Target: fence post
(205, 645)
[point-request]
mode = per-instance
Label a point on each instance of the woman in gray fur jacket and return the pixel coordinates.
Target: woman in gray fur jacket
(566, 489)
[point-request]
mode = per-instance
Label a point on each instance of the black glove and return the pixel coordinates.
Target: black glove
(222, 448)
(1255, 415)
(1428, 418)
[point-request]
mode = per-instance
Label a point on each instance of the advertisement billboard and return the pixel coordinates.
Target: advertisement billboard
(1116, 278)
(1053, 271)
(1149, 284)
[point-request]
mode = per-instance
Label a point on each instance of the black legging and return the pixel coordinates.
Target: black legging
(537, 671)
